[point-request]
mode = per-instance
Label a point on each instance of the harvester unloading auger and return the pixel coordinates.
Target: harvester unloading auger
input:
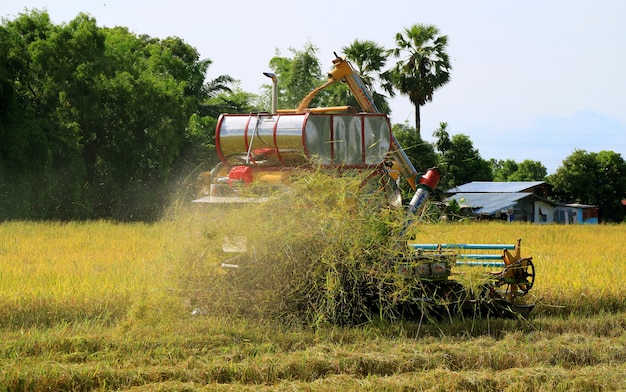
(259, 152)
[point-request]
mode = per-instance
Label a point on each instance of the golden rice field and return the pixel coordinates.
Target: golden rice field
(98, 306)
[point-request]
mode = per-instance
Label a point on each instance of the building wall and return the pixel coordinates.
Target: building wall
(529, 210)
(524, 210)
(576, 215)
(544, 213)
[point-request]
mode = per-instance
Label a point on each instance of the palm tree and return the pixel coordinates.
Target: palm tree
(212, 89)
(424, 65)
(369, 58)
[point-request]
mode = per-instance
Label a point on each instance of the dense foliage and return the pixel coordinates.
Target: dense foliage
(296, 75)
(92, 119)
(509, 170)
(593, 178)
(460, 162)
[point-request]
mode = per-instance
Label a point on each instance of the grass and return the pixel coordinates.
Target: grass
(55, 272)
(213, 354)
(108, 306)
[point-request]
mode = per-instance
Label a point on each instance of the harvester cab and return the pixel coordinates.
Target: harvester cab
(260, 151)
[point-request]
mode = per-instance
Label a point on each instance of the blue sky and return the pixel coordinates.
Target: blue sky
(530, 80)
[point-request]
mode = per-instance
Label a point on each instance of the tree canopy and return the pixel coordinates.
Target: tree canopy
(595, 179)
(297, 75)
(424, 65)
(509, 170)
(370, 58)
(459, 161)
(90, 116)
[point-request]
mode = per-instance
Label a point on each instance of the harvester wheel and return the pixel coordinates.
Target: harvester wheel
(524, 274)
(518, 277)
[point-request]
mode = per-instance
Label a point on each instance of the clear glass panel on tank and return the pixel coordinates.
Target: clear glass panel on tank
(289, 139)
(377, 136)
(230, 137)
(262, 150)
(347, 141)
(317, 137)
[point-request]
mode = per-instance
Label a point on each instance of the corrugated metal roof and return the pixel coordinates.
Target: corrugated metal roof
(488, 203)
(494, 187)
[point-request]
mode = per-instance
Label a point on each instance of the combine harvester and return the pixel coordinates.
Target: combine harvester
(259, 152)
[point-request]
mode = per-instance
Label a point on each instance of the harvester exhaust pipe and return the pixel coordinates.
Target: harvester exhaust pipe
(428, 182)
(274, 91)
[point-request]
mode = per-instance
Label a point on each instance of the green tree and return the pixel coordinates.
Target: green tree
(297, 76)
(593, 178)
(509, 170)
(503, 169)
(92, 118)
(146, 93)
(369, 58)
(202, 125)
(40, 156)
(529, 170)
(424, 65)
(219, 87)
(25, 137)
(421, 153)
(219, 95)
(460, 162)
